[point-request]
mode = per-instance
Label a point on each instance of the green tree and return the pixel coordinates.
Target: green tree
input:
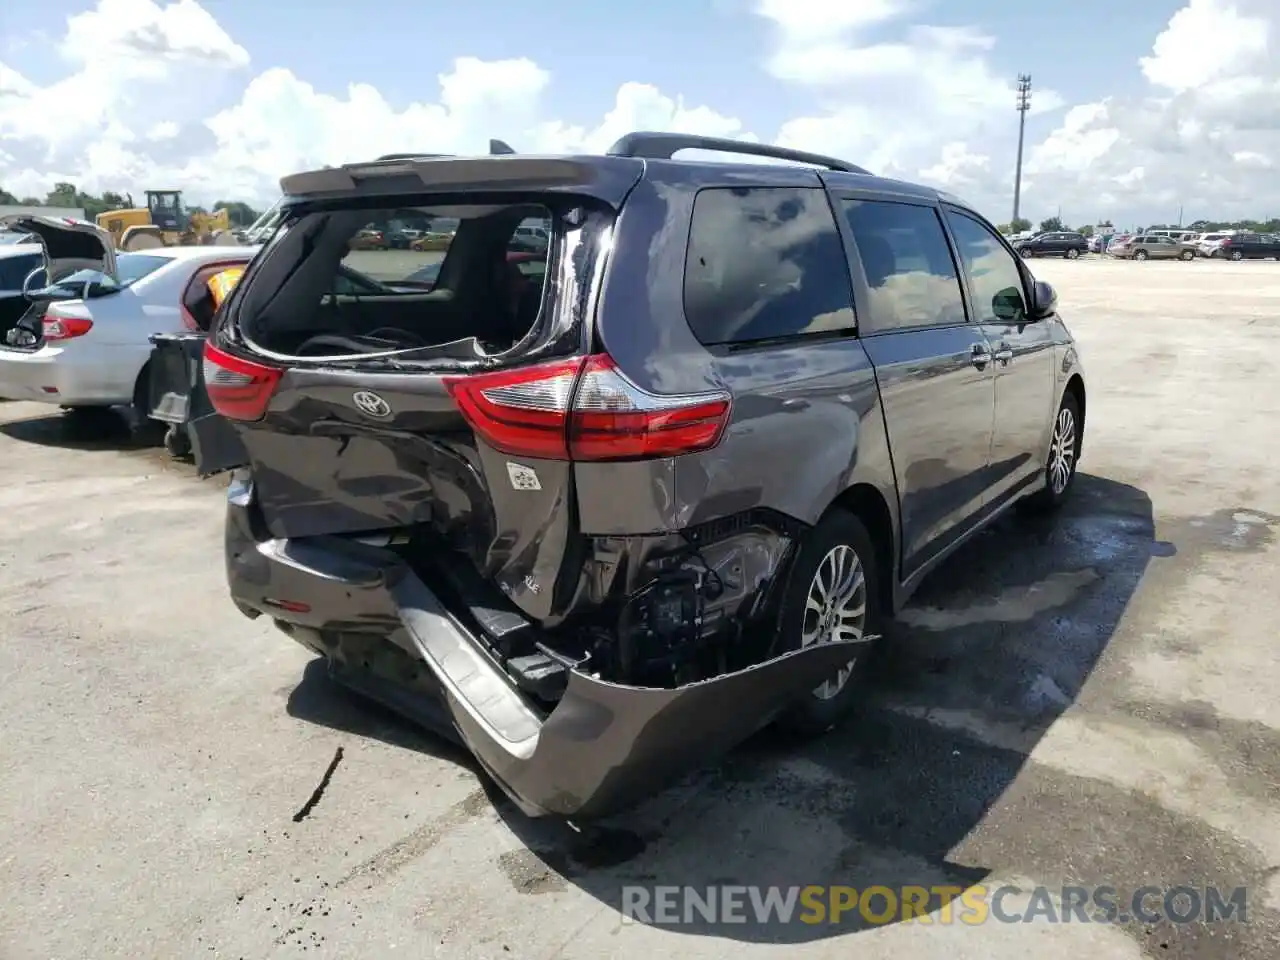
(1020, 225)
(62, 195)
(240, 213)
(32, 202)
(1050, 225)
(1086, 231)
(7, 197)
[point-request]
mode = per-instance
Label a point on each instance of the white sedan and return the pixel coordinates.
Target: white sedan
(85, 340)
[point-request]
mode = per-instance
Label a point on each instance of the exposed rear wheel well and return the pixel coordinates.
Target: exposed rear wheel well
(865, 502)
(1075, 386)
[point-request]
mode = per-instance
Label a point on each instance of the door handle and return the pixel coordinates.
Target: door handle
(1004, 355)
(980, 355)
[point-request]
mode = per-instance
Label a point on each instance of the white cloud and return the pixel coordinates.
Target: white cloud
(1204, 138)
(160, 93)
(164, 130)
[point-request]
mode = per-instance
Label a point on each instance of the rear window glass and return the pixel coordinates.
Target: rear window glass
(763, 263)
(130, 268)
(342, 281)
(14, 270)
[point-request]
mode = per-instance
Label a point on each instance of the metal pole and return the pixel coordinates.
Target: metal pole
(1024, 104)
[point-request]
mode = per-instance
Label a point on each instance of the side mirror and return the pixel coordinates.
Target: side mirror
(1044, 300)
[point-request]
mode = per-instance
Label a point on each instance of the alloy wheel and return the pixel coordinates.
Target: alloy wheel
(1062, 451)
(835, 609)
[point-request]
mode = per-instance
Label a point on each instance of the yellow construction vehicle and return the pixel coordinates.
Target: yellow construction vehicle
(164, 222)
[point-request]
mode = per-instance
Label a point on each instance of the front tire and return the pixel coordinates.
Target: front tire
(1025, 253)
(1140, 255)
(1073, 254)
(1186, 255)
(1237, 254)
(832, 594)
(1064, 455)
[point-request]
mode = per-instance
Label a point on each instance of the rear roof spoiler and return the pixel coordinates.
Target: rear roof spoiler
(496, 148)
(503, 169)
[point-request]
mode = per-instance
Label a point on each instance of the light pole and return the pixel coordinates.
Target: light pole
(1024, 104)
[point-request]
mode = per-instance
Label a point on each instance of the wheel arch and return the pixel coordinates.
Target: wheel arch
(868, 504)
(1075, 387)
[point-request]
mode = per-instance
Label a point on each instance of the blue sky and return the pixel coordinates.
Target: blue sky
(711, 52)
(1191, 125)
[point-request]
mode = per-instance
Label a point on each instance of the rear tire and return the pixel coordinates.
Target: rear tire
(1064, 455)
(837, 559)
(143, 431)
(1237, 254)
(1025, 253)
(176, 441)
(1187, 255)
(1140, 255)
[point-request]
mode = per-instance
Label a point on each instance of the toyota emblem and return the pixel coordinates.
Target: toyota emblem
(371, 405)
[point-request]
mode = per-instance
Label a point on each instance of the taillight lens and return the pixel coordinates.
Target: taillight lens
(61, 326)
(537, 412)
(613, 419)
(238, 389)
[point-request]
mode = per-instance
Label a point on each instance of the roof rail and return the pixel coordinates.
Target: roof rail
(652, 145)
(496, 148)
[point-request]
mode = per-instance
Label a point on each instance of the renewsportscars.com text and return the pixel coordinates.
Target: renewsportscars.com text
(975, 905)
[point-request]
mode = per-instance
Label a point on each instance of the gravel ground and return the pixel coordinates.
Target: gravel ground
(1086, 701)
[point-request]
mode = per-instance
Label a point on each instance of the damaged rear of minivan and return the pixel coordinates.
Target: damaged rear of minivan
(405, 498)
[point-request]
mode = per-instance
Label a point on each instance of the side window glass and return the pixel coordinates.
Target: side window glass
(912, 277)
(762, 263)
(998, 294)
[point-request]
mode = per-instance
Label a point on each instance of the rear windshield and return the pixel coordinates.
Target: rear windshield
(14, 270)
(341, 281)
(130, 268)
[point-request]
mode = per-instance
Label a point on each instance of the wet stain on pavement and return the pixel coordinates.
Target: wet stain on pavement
(1247, 753)
(528, 873)
(1233, 529)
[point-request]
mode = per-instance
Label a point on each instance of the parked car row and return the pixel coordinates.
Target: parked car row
(1165, 245)
(1151, 245)
(76, 316)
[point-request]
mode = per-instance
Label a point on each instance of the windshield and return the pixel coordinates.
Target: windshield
(8, 236)
(130, 268)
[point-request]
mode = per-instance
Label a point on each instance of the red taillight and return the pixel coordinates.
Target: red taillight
(60, 326)
(238, 389)
(537, 412)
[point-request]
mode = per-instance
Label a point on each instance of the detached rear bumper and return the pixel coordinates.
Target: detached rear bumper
(602, 748)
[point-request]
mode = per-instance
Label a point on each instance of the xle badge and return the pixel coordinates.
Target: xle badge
(522, 477)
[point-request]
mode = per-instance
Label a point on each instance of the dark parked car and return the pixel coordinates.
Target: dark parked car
(1248, 246)
(1069, 245)
(604, 522)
